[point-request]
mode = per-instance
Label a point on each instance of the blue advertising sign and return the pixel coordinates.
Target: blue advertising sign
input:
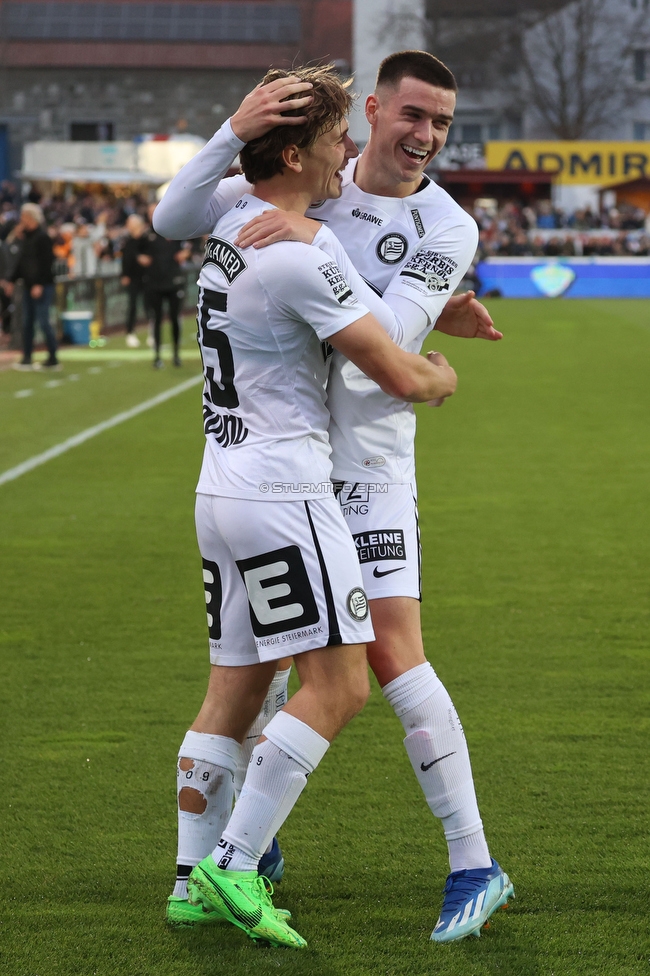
(534, 277)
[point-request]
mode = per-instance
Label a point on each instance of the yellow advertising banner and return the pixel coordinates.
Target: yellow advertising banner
(601, 163)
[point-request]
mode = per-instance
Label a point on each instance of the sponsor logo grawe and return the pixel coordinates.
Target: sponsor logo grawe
(371, 218)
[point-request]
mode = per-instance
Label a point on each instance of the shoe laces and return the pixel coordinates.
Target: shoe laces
(265, 889)
(458, 891)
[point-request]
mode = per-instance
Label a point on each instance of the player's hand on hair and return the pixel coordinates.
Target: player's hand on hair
(437, 359)
(277, 225)
(465, 317)
(262, 108)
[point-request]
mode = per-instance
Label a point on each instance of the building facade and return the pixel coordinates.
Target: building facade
(115, 69)
(545, 69)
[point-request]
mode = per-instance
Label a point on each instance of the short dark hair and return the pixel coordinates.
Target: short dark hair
(331, 101)
(415, 64)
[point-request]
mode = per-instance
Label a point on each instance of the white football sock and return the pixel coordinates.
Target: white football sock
(276, 777)
(276, 698)
(468, 852)
(215, 759)
(435, 744)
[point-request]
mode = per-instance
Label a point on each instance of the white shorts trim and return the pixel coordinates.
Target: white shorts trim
(279, 579)
(384, 526)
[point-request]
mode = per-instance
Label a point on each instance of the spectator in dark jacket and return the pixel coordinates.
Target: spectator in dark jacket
(134, 264)
(9, 250)
(34, 268)
(164, 281)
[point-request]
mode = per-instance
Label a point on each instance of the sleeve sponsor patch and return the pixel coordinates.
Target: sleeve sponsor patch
(336, 280)
(429, 271)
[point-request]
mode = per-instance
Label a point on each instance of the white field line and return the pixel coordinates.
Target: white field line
(85, 435)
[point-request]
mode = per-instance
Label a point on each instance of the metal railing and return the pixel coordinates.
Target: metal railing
(103, 295)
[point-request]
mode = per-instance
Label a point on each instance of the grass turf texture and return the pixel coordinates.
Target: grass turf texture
(533, 501)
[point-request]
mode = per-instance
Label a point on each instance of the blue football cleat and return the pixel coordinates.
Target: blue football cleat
(471, 896)
(271, 864)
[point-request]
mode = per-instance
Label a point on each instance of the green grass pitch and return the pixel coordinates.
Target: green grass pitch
(534, 501)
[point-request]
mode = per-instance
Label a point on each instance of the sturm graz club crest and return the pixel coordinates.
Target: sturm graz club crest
(392, 248)
(357, 604)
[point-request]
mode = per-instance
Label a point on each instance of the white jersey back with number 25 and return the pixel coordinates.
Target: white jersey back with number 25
(263, 317)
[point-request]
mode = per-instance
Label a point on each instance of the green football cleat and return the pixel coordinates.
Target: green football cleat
(182, 914)
(242, 898)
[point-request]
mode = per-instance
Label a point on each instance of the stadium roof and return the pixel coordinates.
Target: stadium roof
(108, 177)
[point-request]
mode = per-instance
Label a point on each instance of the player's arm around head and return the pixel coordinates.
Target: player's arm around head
(400, 374)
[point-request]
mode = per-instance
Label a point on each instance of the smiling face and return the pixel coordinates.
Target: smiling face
(323, 162)
(409, 125)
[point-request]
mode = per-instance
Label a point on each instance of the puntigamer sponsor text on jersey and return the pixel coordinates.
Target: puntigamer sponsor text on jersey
(226, 257)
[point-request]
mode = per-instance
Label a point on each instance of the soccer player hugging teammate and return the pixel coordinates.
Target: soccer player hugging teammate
(412, 243)
(279, 563)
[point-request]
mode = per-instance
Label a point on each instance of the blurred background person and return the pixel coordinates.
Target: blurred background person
(163, 282)
(34, 269)
(135, 261)
(84, 258)
(62, 238)
(9, 250)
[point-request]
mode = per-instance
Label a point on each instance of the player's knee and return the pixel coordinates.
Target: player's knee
(357, 695)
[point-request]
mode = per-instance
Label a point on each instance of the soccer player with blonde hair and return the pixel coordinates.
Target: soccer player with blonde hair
(279, 564)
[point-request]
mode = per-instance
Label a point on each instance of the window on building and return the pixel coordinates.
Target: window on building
(640, 65)
(494, 130)
(641, 130)
(91, 132)
(220, 23)
(471, 132)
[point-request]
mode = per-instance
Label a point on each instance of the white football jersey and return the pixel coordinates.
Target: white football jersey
(264, 317)
(418, 247)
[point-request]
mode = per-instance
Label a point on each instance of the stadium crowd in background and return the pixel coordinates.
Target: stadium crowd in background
(98, 234)
(513, 229)
(89, 231)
